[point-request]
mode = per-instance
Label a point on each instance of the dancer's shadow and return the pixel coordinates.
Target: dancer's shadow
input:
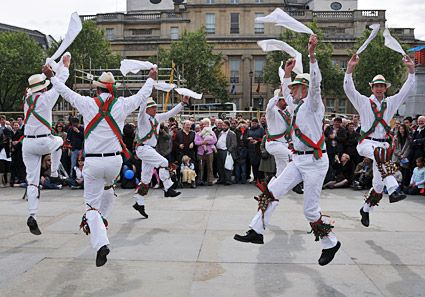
(274, 279)
(411, 283)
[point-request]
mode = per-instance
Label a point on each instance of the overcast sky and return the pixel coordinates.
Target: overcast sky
(52, 16)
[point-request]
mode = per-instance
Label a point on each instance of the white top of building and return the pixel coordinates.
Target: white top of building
(333, 5)
(137, 5)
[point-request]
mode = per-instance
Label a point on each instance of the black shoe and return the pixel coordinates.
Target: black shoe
(171, 193)
(328, 254)
(228, 183)
(32, 224)
(101, 256)
(396, 196)
(251, 236)
(140, 209)
(365, 217)
(298, 189)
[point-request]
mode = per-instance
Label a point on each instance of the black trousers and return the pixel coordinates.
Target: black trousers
(224, 175)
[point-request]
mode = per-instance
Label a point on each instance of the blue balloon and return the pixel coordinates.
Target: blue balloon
(129, 174)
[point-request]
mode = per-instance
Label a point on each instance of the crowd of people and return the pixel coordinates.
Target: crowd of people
(200, 149)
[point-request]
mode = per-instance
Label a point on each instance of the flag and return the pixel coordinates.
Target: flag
(233, 90)
(258, 87)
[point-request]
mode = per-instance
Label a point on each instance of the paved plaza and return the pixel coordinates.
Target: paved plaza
(186, 247)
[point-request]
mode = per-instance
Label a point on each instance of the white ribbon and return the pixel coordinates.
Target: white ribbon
(163, 86)
(392, 43)
(281, 18)
(187, 92)
(375, 30)
(135, 66)
(269, 45)
(74, 28)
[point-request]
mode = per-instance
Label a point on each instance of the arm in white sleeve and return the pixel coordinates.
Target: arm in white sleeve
(353, 95)
(272, 103)
(398, 99)
(161, 117)
(315, 98)
(133, 102)
(287, 93)
(52, 95)
(79, 102)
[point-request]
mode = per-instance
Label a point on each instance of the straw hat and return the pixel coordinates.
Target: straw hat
(150, 103)
(38, 82)
(301, 79)
(379, 79)
(106, 78)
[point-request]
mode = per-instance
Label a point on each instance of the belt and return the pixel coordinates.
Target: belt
(376, 139)
(307, 152)
(37, 136)
(103, 155)
(147, 145)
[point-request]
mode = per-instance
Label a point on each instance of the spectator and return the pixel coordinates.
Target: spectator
(267, 162)
(254, 137)
(65, 159)
(45, 177)
(226, 148)
(5, 145)
(417, 182)
(335, 137)
(187, 170)
(408, 122)
(241, 153)
(75, 139)
(350, 145)
(234, 124)
(205, 140)
(402, 145)
(344, 169)
(363, 175)
(129, 134)
(418, 141)
(20, 121)
(356, 123)
(77, 181)
(185, 142)
(17, 166)
(164, 145)
(263, 122)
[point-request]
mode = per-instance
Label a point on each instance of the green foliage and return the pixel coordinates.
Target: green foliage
(200, 66)
(332, 76)
(20, 57)
(378, 59)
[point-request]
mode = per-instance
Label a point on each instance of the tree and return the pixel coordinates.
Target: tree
(20, 57)
(332, 76)
(378, 59)
(90, 49)
(202, 67)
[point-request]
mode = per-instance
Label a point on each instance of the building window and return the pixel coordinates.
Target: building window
(234, 65)
(234, 1)
(210, 23)
(259, 69)
(342, 108)
(234, 23)
(343, 64)
(330, 105)
(259, 27)
(259, 1)
(174, 33)
(141, 31)
(109, 33)
(210, 1)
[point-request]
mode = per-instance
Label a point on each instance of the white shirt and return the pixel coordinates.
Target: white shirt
(221, 142)
(311, 113)
(144, 121)
(362, 104)
(102, 139)
(44, 105)
(275, 123)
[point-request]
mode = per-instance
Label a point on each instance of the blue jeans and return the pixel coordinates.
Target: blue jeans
(74, 158)
(240, 171)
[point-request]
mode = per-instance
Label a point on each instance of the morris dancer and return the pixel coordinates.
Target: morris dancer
(38, 139)
(310, 162)
(147, 136)
(104, 116)
(375, 139)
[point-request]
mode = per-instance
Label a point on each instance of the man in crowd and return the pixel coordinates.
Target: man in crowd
(226, 148)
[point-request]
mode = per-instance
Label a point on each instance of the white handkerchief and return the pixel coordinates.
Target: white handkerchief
(392, 43)
(163, 86)
(375, 30)
(269, 45)
(135, 66)
(187, 92)
(74, 29)
(281, 18)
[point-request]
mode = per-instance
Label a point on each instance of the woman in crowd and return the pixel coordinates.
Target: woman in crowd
(402, 146)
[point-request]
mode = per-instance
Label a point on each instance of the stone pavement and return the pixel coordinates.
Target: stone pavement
(186, 248)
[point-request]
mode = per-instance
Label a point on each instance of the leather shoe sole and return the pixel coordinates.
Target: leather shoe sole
(101, 256)
(329, 254)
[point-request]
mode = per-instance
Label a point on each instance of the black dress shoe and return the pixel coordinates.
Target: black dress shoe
(298, 189)
(251, 236)
(171, 193)
(328, 254)
(365, 217)
(396, 196)
(32, 224)
(101, 256)
(140, 209)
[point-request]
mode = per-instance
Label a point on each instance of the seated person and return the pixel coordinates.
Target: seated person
(363, 175)
(77, 179)
(344, 169)
(187, 171)
(417, 182)
(46, 182)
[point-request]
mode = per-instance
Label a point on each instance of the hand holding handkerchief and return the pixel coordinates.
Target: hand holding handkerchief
(188, 92)
(392, 43)
(135, 66)
(269, 45)
(375, 30)
(281, 18)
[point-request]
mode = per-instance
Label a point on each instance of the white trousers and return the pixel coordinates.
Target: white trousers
(152, 159)
(366, 149)
(282, 154)
(303, 168)
(99, 172)
(33, 150)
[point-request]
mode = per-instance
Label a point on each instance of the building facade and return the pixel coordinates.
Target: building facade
(231, 27)
(45, 41)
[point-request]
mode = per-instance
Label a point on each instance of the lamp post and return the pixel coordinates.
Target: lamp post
(251, 75)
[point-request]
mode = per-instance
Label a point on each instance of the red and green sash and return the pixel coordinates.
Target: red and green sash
(152, 133)
(32, 104)
(286, 116)
(317, 147)
(379, 119)
(105, 114)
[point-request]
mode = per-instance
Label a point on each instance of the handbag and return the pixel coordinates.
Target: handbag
(228, 164)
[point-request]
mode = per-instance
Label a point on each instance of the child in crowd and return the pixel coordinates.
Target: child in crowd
(187, 170)
(417, 182)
